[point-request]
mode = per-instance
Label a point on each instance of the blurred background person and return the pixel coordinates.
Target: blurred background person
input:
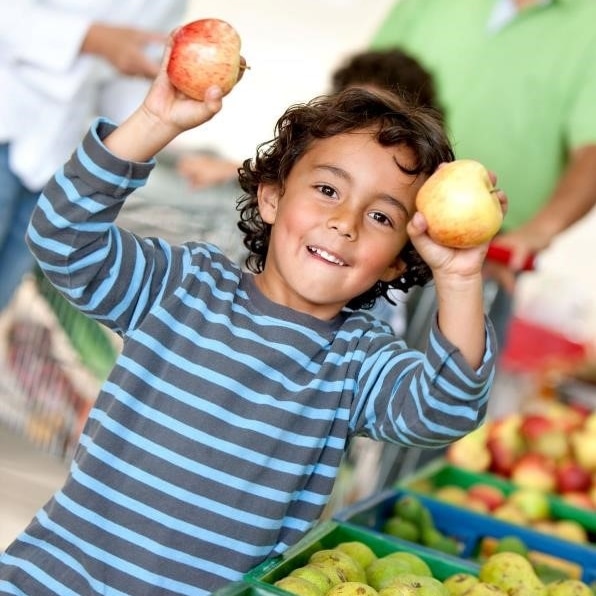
(63, 62)
(528, 66)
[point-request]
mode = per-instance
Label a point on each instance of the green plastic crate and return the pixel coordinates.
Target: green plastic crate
(440, 473)
(330, 533)
(249, 589)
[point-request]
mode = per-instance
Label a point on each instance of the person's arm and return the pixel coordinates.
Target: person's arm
(458, 278)
(202, 170)
(572, 199)
(125, 48)
(52, 39)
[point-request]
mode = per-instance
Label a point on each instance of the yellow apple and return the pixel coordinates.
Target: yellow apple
(460, 204)
(205, 53)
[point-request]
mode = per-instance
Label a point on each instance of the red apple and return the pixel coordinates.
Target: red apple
(205, 53)
(571, 478)
(505, 443)
(460, 204)
(534, 470)
(543, 435)
(578, 499)
(492, 496)
(502, 458)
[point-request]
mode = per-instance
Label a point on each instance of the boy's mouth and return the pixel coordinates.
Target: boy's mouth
(326, 256)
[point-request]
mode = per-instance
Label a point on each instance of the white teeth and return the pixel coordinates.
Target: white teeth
(327, 256)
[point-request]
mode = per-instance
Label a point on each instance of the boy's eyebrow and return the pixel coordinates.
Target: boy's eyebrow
(346, 176)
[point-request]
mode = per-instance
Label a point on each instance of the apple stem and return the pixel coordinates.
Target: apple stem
(495, 190)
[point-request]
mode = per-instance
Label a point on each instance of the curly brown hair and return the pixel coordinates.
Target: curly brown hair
(396, 123)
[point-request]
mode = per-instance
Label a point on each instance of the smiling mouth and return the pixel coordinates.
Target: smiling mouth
(326, 256)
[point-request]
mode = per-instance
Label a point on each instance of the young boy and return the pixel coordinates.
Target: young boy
(215, 442)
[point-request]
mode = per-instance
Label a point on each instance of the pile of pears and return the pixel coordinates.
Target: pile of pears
(352, 569)
(411, 520)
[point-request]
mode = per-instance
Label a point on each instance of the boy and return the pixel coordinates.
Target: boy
(215, 441)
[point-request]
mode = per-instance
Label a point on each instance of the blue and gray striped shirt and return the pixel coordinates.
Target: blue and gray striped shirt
(215, 441)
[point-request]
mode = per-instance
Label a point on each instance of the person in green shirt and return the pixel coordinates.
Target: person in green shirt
(516, 81)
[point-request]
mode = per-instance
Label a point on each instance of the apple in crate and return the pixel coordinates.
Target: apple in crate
(492, 496)
(205, 53)
(572, 478)
(460, 204)
(534, 470)
(470, 452)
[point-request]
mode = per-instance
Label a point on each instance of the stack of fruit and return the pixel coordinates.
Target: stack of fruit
(412, 520)
(527, 507)
(353, 569)
(552, 448)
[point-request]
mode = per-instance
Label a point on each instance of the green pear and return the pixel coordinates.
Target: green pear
(411, 508)
(315, 575)
(569, 587)
(419, 585)
(350, 569)
(352, 589)
(298, 586)
(512, 573)
(382, 571)
(411, 562)
(512, 544)
(458, 583)
(359, 551)
(484, 589)
(433, 538)
(402, 528)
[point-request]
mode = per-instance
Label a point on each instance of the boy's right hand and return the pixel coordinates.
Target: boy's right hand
(174, 109)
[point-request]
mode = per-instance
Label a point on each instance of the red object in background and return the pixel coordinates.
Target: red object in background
(502, 254)
(531, 347)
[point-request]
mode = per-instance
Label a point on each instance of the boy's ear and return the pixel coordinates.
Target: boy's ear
(268, 198)
(397, 268)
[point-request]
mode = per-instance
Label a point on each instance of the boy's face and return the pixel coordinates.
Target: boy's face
(340, 224)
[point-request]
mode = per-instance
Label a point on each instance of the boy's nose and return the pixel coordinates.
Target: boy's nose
(345, 224)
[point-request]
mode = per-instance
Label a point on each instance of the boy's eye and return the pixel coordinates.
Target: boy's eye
(328, 191)
(381, 218)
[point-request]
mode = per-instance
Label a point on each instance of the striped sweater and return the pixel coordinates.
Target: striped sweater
(216, 439)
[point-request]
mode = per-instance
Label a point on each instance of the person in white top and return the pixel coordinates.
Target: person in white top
(62, 62)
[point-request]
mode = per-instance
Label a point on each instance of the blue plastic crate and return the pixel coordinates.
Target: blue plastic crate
(470, 528)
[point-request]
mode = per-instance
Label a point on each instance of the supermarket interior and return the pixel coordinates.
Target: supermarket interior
(523, 483)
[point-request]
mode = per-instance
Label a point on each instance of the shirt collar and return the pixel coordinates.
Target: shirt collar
(504, 11)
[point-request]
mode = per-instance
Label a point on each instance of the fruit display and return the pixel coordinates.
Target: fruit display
(349, 553)
(353, 568)
(551, 448)
(528, 507)
(457, 529)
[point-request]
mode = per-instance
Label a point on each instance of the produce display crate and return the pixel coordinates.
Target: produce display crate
(440, 473)
(249, 589)
(330, 533)
(471, 528)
